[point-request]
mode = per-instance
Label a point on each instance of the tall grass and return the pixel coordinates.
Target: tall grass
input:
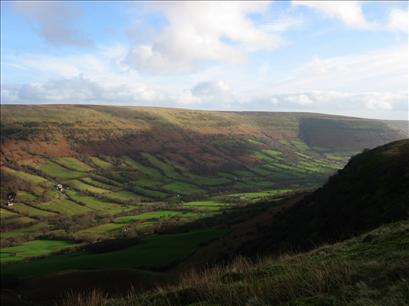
(360, 271)
(246, 283)
(92, 298)
(241, 282)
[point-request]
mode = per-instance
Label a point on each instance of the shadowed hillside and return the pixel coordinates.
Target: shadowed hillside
(371, 190)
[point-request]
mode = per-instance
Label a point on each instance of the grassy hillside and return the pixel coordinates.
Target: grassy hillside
(371, 190)
(371, 269)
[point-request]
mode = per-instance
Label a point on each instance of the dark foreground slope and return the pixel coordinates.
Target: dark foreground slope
(373, 189)
(372, 269)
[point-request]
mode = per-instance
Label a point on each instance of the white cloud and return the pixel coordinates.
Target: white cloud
(79, 90)
(371, 84)
(380, 71)
(214, 94)
(207, 31)
(211, 89)
(349, 12)
(208, 95)
(398, 20)
(340, 101)
(56, 21)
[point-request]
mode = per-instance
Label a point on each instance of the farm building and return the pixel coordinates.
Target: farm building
(11, 196)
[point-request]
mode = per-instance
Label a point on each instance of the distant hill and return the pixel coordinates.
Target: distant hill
(159, 153)
(372, 189)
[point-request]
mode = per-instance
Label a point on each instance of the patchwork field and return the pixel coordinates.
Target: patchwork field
(33, 248)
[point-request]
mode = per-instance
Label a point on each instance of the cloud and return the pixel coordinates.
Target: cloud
(340, 101)
(56, 21)
(102, 64)
(398, 20)
(208, 95)
(349, 12)
(352, 15)
(207, 31)
(383, 70)
(78, 90)
(214, 94)
(211, 89)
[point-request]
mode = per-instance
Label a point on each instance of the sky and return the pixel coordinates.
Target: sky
(347, 58)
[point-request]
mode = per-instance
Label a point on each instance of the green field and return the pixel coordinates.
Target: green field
(26, 196)
(165, 168)
(65, 207)
(34, 179)
(17, 220)
(33, 230)
(148, 171)
(182, 188)
(206, 205)
(158, 214)
(154, 251)
(208, 181)
(55, 170)
(97, 183)
(101, 163)
(154, 194)
(79, 185)
(73, 164)
(31, 211)
(123, 196)
(107, 230)
(252, 196)
(33, 249)
(96, 204)
(4, 213)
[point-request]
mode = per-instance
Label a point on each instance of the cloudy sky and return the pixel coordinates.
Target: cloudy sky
(347, 58)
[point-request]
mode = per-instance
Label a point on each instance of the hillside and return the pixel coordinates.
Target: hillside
(371, 269)
(367, 199)
(134, 171)
(161, 152)
(142, 217)
(371, 190)
(116, 162)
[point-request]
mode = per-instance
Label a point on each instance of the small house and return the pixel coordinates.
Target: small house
(11, 196)
(59, 187)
